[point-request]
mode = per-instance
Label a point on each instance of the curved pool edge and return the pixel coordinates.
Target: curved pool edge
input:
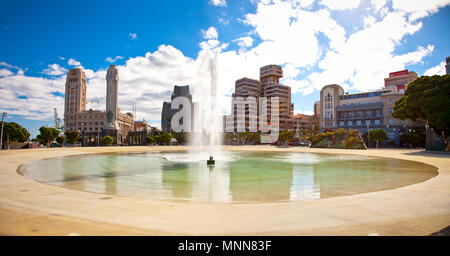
(22, 168)
(416, 209)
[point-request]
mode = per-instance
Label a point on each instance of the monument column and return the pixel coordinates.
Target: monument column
(111, 127)
(112, 83)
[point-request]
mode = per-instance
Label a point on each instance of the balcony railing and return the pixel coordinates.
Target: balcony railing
(360, 106)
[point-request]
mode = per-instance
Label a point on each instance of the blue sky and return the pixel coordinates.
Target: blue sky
(157, 44)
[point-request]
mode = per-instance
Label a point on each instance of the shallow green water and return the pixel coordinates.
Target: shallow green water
(236, 177)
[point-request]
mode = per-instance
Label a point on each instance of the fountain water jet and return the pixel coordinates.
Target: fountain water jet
(207, 122)
(213, 66)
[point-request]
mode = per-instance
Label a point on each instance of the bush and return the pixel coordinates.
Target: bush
(338, 139)
(150, 140)
(107, 140)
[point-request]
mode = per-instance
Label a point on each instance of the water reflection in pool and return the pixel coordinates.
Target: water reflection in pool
(236, 177)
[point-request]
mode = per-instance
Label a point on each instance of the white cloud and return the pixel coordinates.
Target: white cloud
(368, 55)
(245, 41)
(73, 62)
(210, 33)
(132, 36)
(112, 60)
(54, 70)
(378, 4)
(31, 97)
(419, 9)
(304, 112)
(5, 72)
(61, 58)
(218, 2)
(340, 4)
(436, 70)
(289, 33)
(4, 64)
(369, 20)
(223, 21)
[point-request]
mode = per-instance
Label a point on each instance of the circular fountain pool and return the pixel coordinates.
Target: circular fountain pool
(236, 177)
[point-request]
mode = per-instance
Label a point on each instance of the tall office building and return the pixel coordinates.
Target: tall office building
(269, 77)
(167, 111)
(76, 117)
(75, 94)
(268, 86)
(92, 124)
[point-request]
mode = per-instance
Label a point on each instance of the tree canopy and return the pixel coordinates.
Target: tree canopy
(61, 140)
(286, 136)
(163, 138)
(427, 98)
(47, 135)
(72, 136)
(15, 131)
(150, 140)
(376, 135)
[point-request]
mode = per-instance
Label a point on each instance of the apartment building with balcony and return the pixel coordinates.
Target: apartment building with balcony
(267, 86)
(367, 110)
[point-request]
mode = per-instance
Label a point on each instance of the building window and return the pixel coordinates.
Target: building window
(378, 112)
(358, 122)
(367, 122)
(389, 101)
(390, 121)
(341, 123)
(328, 98)
(349, 123)
(377, 122)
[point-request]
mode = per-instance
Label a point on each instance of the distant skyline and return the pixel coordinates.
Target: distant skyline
(159, 44)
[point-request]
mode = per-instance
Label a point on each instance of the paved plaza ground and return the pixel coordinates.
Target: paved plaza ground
(31, 208)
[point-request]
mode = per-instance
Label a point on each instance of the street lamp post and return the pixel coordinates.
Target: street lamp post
(368, 135)
(1, 133)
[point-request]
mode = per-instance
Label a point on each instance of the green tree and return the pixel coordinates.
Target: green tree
(15, 132)
(243, 136)
(72, 136)
(286, 136)
(61, 140)
(427, 98)
(414, 138)
(163, 138)
(181, 137)
(150, 140)
(47, 135)
(166, 137)
(376, 135)
(107, 140)
(254, 138)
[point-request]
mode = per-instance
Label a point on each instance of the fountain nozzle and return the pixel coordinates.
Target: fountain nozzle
(211, 161)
